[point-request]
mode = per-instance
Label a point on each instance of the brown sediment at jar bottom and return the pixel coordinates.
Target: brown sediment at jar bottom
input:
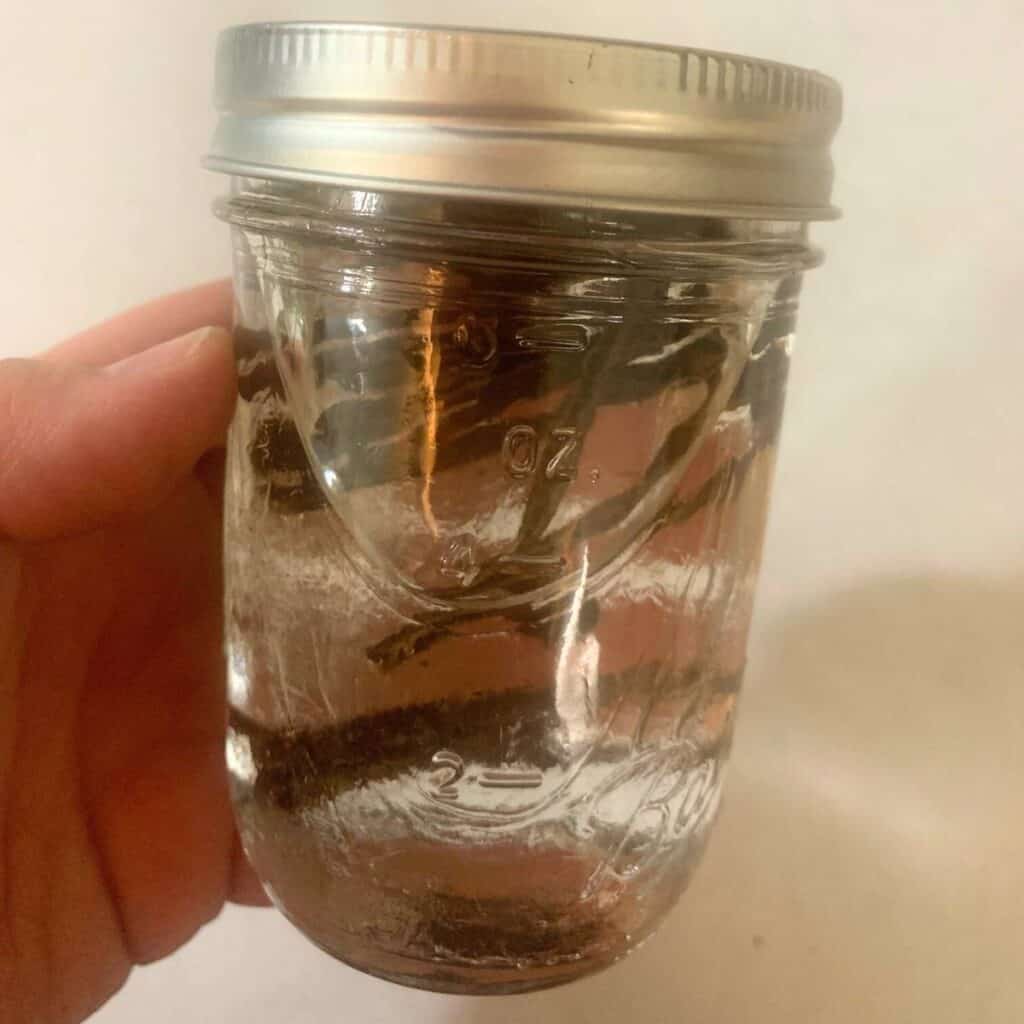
(430, 977)
(492, 918)
(453, 942)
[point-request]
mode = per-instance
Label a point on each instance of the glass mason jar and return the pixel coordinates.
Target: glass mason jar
(509, 401)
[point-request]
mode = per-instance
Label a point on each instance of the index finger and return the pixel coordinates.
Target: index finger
(208, 305)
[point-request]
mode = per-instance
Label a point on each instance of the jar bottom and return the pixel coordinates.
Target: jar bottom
(475, 945)
(473, 981)
(488, 918)
(466, 980)
(457, 874)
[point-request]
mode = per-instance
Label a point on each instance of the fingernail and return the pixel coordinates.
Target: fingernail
(166, 355)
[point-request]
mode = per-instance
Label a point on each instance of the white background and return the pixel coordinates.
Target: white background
(868, 864)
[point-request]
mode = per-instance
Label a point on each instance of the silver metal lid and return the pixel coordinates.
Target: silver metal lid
(543, 119)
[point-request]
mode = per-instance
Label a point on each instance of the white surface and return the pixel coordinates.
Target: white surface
(868, 865)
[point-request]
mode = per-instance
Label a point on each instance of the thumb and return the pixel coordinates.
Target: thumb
(81, 447)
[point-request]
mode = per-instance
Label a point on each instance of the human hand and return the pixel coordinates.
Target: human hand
(116, 836)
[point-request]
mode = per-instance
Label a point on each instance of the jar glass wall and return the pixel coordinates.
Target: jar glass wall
(497, 486)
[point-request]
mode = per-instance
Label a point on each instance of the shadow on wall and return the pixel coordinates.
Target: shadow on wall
(869, 863)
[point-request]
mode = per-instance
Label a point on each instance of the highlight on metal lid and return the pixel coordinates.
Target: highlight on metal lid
(521, 117)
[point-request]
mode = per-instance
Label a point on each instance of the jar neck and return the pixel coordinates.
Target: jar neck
(529, 236)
